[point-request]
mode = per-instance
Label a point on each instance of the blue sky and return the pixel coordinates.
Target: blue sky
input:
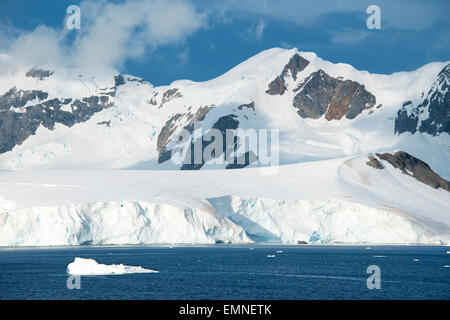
(202, 39)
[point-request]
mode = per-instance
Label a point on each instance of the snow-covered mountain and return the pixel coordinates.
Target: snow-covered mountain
(89, 158)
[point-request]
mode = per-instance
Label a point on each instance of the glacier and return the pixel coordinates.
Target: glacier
(115, 223)
(339, 201)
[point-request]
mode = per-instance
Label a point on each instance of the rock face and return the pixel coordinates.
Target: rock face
(295, 65)
(411, 166)
(374, 163)
(404, 121)
(319, 94)
(432, 115)
(22, 112)
(170, 95)
(119, 80)
(223, 124)
(39, 73)
(168, 136)
(176, 122)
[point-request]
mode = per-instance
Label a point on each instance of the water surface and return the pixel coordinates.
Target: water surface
(231, 272)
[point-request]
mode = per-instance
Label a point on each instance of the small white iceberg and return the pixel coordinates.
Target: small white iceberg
(415, 260)
(280, 251)
(81, 266)
(270, 256)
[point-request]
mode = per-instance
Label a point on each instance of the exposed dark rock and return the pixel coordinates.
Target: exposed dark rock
(436, 103)
(119, 80)
(170, 95)
(111, 93)
(374, 163)
(407, 103)
(39, 73)
(186, 121)
(17, 125)
(18, 120)
(223, 124)
(166, 133)
(405, 122)
(416, 168)
(319, 94)
(152, 100)
(242, 161)
(179, 120)
(199, 115)
(135, 79)
(18, 98)
(106, 123)
(316, 92)
(250, 105)
(276, 87)
(295, 65)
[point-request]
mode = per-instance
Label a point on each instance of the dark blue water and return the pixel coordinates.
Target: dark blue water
(231, 272)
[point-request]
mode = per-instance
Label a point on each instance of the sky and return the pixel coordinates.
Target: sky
(163, 41)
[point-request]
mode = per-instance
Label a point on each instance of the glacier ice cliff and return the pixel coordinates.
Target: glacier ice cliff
(234, 220)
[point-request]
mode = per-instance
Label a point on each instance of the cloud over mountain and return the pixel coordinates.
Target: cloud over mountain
(110, 34)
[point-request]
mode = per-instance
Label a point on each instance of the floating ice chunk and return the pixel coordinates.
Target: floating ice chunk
(446, 266)
(279, 251)
(270, 256)
(448, 252)
(379, 256)
(81, 266)
(416, 260)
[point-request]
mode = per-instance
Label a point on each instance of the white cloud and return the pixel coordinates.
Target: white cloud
(183, 56)
(397, 15)
(40, 47)
(286, 45)
(256, 30)
(349, 36)
(110, 34)
(8, 33)
(259, 30)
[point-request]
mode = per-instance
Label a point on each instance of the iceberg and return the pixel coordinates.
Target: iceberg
(82, 266)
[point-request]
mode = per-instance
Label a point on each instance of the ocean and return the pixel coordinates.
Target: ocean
(232, 272)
